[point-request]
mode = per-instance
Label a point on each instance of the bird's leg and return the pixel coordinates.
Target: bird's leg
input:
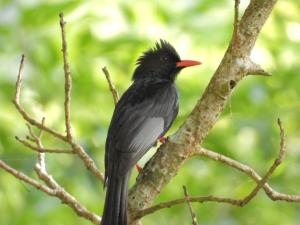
(138, 168)
(163, 139)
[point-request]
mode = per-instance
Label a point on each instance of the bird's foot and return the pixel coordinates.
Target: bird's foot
(138, 168)
(163, 139)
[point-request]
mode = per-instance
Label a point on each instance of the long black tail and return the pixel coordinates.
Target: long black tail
(115, 208)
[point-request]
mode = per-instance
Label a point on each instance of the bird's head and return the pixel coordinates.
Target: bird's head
(162, 62)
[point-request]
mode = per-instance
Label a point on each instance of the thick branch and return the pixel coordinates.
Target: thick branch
(170, 156)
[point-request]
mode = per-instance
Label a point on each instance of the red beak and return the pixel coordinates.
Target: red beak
(187, 63)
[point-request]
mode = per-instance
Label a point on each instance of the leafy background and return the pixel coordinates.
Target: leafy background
(113, 34)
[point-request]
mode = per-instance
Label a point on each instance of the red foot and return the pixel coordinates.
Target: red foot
(163, 139)
(138, 168)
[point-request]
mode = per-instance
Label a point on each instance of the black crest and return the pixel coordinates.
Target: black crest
(158, 61)
(162, 47)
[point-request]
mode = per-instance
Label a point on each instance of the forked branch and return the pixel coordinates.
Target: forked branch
(261, 182)
(34, 142)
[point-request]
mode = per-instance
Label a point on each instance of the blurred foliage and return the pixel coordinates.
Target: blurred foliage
(113, 34)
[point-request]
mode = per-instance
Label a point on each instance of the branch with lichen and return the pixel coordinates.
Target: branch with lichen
(186, 141)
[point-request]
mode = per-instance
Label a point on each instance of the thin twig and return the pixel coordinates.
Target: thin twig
(64, 196)
(33, 122)
(21, 176)
(27, 117)
(193, 215)
(35, 139)
(19, 80)
(57, 192)
(199, 199)
(68, 79)
(60, 193)
(41, 161)
(41, 130)
(37, 149)
(87, 160)
(16, 102)
(32, 135)
(274, 195)
(112, 87)
(79, 150)
(53, 189)
(276, 163)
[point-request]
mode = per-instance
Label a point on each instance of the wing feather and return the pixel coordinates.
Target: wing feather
(142, 115)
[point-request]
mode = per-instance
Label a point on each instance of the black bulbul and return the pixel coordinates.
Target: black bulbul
(144, 114)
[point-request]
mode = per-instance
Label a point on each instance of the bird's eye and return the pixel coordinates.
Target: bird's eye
(164, 58)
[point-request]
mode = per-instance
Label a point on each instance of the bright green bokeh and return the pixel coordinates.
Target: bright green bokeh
(113, 34)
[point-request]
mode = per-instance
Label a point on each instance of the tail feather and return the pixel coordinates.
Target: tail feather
(123, 208)
(115, 208)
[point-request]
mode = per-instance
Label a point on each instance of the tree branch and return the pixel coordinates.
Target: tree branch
(52, 188)
(261, 182)
(75, 148)
(179, 201)
(112, 87)
(236, 18)
(193, 215)
(163, 166)
(23, 177)
(27, 117)
(87, 160)
(274, 195)
(276, 163)
(60, 192)
(44, 150)
(68, 79)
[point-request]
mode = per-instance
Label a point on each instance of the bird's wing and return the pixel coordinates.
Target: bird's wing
(143, 114)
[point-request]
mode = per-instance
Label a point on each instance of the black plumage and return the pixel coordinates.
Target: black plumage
(143, 114)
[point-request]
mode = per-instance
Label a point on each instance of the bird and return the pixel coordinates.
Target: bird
(144, 113)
